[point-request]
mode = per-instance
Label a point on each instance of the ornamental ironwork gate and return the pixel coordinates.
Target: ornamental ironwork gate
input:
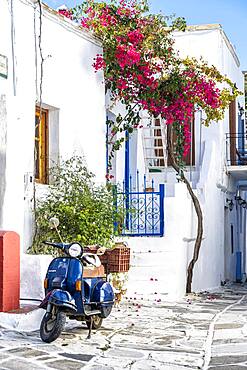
(140, 209)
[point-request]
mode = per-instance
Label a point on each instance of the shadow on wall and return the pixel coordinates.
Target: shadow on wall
(3, 142)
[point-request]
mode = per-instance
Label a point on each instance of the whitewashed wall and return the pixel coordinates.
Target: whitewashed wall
(75, 97)
(72, 91)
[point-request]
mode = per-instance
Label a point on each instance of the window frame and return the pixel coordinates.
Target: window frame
(41, 173)
(190, 159)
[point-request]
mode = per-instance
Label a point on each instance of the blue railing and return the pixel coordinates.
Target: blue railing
(236, 149)
(140, 207)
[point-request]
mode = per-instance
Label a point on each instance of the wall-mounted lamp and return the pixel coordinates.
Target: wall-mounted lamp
(241, 201)
(238, 199)
(244, 205)
(229, 204)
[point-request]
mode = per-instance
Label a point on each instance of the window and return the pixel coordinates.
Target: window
(41, 146)
(189, 160)
(154, 139)
(155, 143)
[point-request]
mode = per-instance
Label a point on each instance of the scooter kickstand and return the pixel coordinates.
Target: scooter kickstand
(90, 328)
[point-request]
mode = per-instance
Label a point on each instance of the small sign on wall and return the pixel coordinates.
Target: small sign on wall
(3, 66)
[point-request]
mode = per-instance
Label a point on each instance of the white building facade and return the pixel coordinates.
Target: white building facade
(50, 65)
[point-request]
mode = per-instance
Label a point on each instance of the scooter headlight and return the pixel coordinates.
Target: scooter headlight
(75, 250)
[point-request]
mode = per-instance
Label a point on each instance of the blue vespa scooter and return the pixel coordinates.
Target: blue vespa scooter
(69, 294)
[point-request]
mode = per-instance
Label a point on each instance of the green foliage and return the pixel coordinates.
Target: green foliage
(85, 210)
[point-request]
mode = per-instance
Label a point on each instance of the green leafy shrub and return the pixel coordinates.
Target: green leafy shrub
(84, 209)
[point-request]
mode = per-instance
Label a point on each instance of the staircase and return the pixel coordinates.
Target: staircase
(154, 144)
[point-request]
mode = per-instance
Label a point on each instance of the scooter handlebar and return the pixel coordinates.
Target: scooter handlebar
(56, 245)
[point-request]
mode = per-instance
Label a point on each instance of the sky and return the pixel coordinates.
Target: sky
(231, 14)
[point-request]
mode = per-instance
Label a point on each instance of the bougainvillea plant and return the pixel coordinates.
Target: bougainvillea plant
(143, 70)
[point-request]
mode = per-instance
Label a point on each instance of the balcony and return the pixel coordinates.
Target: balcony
(236, 155)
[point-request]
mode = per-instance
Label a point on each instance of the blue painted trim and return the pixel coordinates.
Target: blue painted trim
(127, 163)
(107, 146)
(142, 235)
(241, 136)
(114, 195)
(140, 192)
(146, 217)
(127, 178)
(162, 221)
(238, 267)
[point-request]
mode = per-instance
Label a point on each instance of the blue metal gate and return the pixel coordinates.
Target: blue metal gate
(141, 207)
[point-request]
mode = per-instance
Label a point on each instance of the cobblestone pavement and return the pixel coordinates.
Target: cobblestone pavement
(204, 331)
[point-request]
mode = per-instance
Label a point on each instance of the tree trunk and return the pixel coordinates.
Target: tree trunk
(197, 206)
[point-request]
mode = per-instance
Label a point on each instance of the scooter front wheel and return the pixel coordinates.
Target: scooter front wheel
(97, 322)
(52, 325)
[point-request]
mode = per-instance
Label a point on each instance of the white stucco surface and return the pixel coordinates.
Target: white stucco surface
(71, 91)
(33, 272)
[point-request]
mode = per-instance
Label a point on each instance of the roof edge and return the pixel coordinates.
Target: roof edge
(216, 26)
(230, 47)
(200, 27)
(66, 22)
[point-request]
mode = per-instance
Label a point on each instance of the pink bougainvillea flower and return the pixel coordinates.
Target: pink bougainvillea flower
(141, 70)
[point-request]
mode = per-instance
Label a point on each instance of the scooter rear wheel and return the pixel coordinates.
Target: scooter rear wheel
(97, 322)
(52, 325)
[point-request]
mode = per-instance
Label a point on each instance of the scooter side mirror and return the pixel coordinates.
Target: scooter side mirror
(53, 222)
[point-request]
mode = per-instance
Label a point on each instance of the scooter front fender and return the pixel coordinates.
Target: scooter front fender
(61, 299)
